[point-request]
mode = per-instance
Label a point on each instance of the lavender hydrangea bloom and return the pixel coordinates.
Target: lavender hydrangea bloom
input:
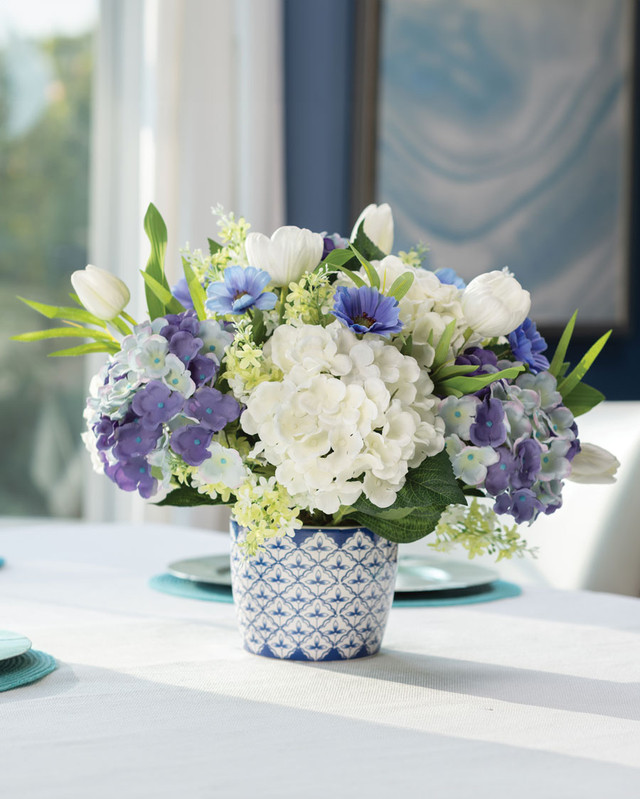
(186, 322)
(156, 404)
(489, 429)
(185, 346)
(104, 430)
(499, 474)
(240, 290)
(212, 408)
(528, 345)
(181, 292)
(522, 504)
(486, 361)
(191, 442)
(133, 474)
(450, 277)
(133, 439)
(365, 310)
(202, 369)
(528, 453)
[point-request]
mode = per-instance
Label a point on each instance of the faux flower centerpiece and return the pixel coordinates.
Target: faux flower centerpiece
(341, 400)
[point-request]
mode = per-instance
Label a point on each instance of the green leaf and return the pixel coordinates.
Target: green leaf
(338, 257)
(428, 490)
(198, 294)
(452, 370)
(64, 332)
(582, 399)
(374, 277)
(165, 298)
(407, 346)
(353, 275)
(469, 385)
(401, 285)
(365, 246)
(442, 350)
(156, 231)
(563, 344)
(186, 497)
(83, 349)
(259, 329)
(568, 384)
(214, 247)
(64, 312)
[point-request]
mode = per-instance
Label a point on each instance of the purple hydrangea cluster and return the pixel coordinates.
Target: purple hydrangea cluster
(157, 397)
(516, 442)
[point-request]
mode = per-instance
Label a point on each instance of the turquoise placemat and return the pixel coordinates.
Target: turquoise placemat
(168, 584)
(1, 561)
(25, 669)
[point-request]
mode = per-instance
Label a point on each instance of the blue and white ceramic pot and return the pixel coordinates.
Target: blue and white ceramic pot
(321, 595)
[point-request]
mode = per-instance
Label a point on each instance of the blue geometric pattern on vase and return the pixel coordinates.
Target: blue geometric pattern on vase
(319, 595)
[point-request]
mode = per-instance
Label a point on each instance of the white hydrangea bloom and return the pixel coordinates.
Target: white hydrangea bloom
(348, 416)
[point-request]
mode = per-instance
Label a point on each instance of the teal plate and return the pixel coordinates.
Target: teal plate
(25, 669)
(12, 644)
(500, 589)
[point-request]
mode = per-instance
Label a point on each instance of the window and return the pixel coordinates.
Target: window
(46, 65)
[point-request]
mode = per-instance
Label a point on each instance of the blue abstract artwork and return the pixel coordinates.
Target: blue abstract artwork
(503, 140)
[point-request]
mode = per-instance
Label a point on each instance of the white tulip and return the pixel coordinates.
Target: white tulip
(102, 294)
(378, 225)
(287, 255)
(593, 464)
(494, 304)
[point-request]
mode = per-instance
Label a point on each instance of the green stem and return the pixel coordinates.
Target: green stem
(120, 326)
(129, 319)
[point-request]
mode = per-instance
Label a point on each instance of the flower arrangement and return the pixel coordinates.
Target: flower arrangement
(308, 378)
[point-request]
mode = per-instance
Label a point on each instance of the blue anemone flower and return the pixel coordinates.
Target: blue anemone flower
(528, 345)
(365, 310)
(241, 289)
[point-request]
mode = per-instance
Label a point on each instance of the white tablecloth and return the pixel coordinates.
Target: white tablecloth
(537, 696)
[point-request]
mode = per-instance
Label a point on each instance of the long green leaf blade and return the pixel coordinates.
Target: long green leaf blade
(401, 285)
(83, 349)
(469, 385)
(374, 277)
(566, 386)
(442, 349)
(64, 312)
(198, 294)
(563, 344)
(64, 332)
(353, 275)
(156, 231)
(164, 297)
(582, 399)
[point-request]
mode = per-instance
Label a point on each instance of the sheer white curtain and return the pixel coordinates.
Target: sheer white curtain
(188, 114)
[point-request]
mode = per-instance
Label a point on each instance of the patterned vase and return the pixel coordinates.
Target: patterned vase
(321, 595)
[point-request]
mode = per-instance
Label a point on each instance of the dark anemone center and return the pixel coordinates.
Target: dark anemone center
(364, 320)
(239, 294)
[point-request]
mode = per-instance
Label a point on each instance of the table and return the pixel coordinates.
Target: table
(536, 696)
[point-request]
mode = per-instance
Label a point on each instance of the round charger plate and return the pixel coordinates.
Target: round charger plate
(13, 644)
(415, 573)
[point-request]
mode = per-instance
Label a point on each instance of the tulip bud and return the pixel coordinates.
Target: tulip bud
(102, 294)
(287, 255)
(494, 304)
(378, 225)
(593, 464)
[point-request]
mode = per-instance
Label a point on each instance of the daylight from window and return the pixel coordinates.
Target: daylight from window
(46, 63)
